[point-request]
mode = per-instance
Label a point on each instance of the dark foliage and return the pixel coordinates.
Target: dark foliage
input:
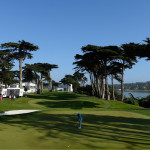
(131, 101)
(87, 90)
(145, 102)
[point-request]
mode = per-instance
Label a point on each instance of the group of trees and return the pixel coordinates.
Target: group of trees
(20, 51)
(39, 72)
(102, 62)
(77, 79)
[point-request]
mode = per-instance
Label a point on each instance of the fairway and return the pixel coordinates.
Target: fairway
(106, 124)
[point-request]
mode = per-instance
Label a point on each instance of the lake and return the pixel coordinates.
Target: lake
(137, 94)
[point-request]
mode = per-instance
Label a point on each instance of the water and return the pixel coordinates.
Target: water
(137, 94)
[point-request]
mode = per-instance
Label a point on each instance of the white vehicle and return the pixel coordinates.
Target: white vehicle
(15, 91)
(12, 91)
(60, 89)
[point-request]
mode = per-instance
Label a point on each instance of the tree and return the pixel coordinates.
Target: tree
(84, 80)
(109, 53)
(80, 77)
(127, 59)
(28, 73)
(6, 64)
(143, 50)
(40, 71)
(69, 79)
(86, 63)
(96, 61)
(46, 70)
(114, 72)
(21, 51)
(55, 84)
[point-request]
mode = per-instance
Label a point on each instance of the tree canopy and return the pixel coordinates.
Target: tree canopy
(20, 51)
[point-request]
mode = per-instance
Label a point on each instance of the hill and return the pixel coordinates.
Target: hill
(134, 86)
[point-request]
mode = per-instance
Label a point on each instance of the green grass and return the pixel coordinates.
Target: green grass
(106, 124)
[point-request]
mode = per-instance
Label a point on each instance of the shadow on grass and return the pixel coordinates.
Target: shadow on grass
(64, 100)
(69, 104)
(55, 96)
(132, 132)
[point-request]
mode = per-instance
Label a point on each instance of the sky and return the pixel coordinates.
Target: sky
(61, 27)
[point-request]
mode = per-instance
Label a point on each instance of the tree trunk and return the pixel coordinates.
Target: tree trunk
(107, 89)
(38, 83)
(38, 86)
(50, 82)
(20, 69)
(113, 92)
(91, 79)
(106, 83)
(122, 84)
(103, 89)
(96, 85)
(99, 87)
(41, 82)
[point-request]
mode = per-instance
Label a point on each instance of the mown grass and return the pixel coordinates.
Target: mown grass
(106, 124)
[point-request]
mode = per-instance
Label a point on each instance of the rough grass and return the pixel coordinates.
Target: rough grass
(106, 124)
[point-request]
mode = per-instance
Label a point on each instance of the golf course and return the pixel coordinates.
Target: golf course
(106, 124)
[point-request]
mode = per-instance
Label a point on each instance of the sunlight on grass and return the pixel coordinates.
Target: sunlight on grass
(106, 124)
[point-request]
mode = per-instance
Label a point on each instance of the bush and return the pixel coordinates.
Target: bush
(131, 101)
(145, 102)
(87, 90)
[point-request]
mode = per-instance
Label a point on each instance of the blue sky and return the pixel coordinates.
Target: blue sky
(61, 27)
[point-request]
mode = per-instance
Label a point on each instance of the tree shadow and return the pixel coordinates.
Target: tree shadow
(64, 100)
(55, 96)
(69, 104)
(133, 132)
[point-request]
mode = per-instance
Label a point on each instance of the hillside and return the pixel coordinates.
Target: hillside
(134, 86)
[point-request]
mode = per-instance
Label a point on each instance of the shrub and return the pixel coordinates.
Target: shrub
(131, 101)
(145, 102)
(87, 90)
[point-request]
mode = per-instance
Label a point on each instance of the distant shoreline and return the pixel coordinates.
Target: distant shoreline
(142, 91)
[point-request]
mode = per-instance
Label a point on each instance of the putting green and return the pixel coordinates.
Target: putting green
(58, 130)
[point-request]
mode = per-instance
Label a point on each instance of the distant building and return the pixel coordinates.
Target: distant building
(63, 87)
